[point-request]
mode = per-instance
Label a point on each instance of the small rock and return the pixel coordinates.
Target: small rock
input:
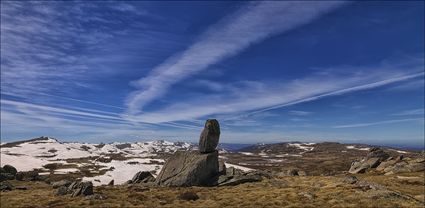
(111, 183)
(189, 196)
(5, 186)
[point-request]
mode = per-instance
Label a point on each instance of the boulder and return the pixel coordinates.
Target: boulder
(385, 164)
(143, 177)
(210, 136)
(357, 167)
(5, 186)
(10, 169)
(377, 153)
(82, 189)
(189, 168)
(60, 183)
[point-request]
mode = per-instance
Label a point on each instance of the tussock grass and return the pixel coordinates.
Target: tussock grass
(308, 191)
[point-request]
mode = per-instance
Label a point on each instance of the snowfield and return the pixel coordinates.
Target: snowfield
(115, 161)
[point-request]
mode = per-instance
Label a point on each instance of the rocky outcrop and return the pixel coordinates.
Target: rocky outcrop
(142, 177)
(189, 168)
(210, 136)
(372, 160)
(380, 161)
(80, 189)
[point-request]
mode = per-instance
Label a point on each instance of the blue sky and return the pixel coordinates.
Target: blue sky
(268, 71)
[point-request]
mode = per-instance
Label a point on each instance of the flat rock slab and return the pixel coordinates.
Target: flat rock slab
(189, 168)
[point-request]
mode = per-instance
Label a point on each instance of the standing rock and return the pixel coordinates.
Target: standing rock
(189, 168)
(210, 136)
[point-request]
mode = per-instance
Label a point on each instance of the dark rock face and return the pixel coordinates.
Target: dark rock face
(210, 136)
(221, 168)
(10, 169)
(190, 168)
(61, 191)
(142, 177)
(111, 183)
(350, 179)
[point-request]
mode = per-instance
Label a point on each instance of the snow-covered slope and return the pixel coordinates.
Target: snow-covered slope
(118, 161)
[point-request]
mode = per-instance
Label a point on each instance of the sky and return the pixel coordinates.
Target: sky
(269, 71)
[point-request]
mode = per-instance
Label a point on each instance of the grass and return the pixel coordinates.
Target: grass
(309, 191)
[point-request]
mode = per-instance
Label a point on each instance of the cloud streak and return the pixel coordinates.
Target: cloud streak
(378, 123)
(249, 25)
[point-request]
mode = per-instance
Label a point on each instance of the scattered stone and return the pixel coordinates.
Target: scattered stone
(210, 136)
(111, 183)
(189, 196)
(10, 169)
(143, 177)
(60, 183)
(5, 186)
(190, 168)
(63, 190)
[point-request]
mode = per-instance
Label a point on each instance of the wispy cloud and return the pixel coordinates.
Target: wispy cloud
(419, 111)
(299, 113)
(254, 97)
(378, 123)
(251, 24)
